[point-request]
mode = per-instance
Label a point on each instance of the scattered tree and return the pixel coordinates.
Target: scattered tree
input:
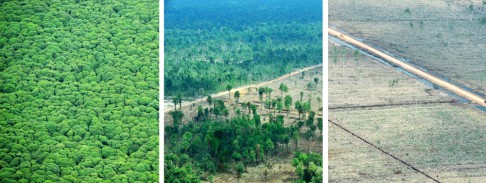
(237, 96)
(283, 89)
(229, 87)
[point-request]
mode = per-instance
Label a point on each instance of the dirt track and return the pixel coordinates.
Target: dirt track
(444, 84)
(243, 90)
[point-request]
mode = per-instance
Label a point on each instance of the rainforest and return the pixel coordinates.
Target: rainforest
(79, 91)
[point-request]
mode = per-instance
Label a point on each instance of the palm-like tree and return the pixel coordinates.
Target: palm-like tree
(260, 95)
(229, 87)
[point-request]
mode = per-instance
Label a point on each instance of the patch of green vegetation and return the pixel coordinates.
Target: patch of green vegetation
(211, 143)
(79, 91)
(308, 167)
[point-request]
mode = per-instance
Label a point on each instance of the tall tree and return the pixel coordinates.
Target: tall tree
(209, 100)
(229, 87)
(179, 100)
(296, 138)
(261, 91)
(288, 103)
(299, 107)
(248, 104)
(175, 101)
(177, 116)
(283, 89)
(269, 92)
(201, 93)
(237, 96)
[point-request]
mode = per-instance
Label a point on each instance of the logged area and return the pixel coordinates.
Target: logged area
(445, 37)
(387, 126)
(243, 87)
(79, 91)
(268, 126)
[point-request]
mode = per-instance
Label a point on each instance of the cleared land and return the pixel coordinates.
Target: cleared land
(444, 140)
(369, 164)
(411, 69)
(358, 80)
(443, 37)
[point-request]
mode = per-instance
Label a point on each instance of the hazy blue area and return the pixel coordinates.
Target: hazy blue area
(237, 14)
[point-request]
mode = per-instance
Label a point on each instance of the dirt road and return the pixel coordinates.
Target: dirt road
(243, 89)
(412, 69)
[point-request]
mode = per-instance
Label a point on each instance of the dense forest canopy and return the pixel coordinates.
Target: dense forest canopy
(210, 44)
(79, 91)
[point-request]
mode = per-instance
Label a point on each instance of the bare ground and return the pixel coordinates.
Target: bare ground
(442, 36)
(444, 140)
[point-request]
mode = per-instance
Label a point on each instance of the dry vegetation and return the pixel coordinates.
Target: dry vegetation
(444, 37)
(357, 80)
(368, 164)
(445, 140)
